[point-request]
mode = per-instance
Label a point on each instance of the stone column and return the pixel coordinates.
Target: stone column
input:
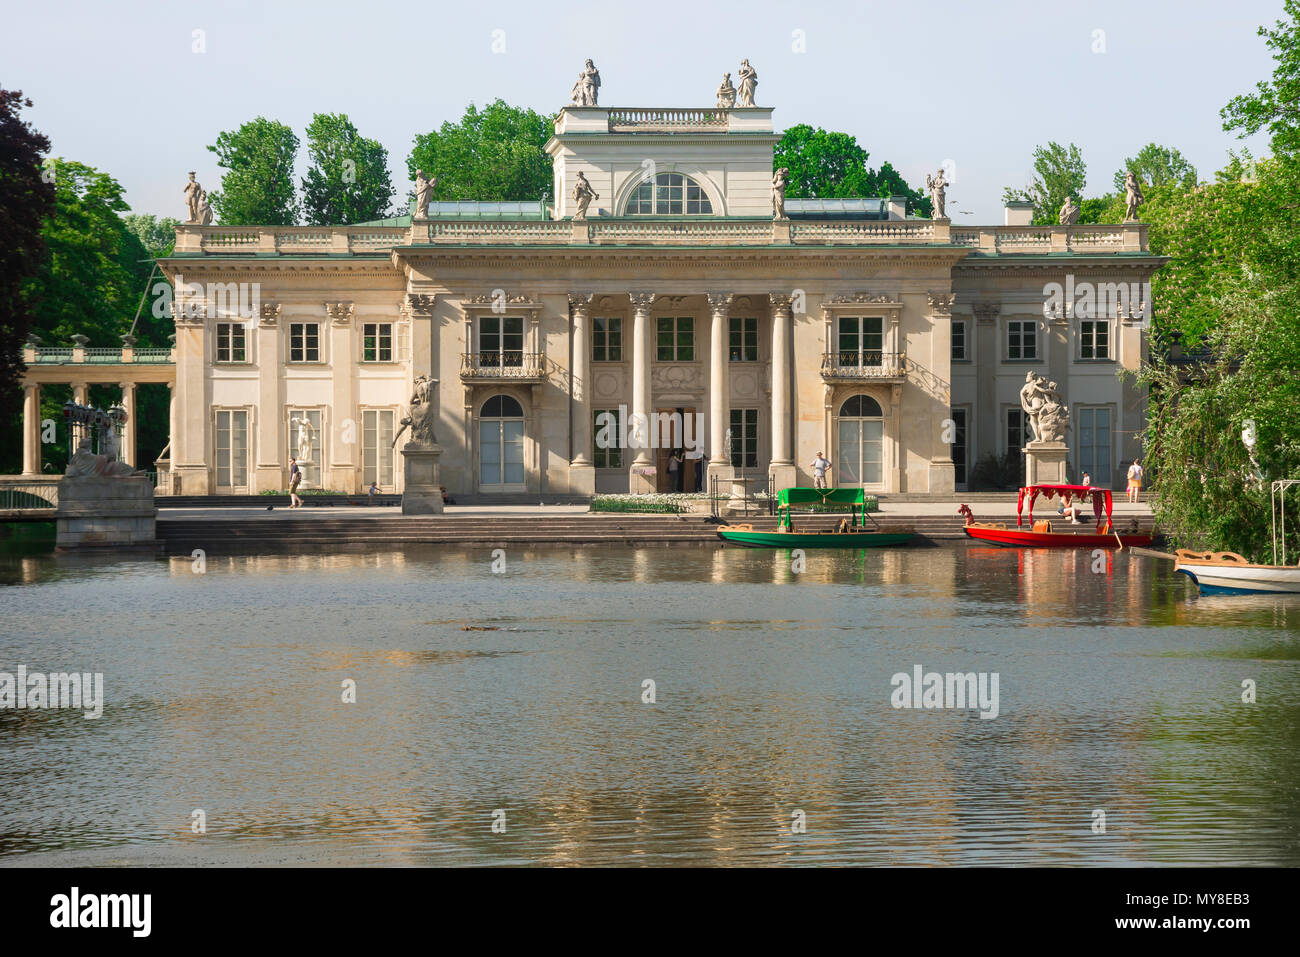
(582, 472)
(643, 458)
(342, 473)
(719, 385)
(129, 431)
(31, 429)
(781, 468)
(80, 393)
(269, 465)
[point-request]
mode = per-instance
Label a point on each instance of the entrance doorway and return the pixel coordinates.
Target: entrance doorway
(670, 437)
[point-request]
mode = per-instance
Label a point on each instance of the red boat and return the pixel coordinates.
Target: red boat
(1067, 533)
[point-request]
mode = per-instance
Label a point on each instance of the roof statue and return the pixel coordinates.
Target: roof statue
(586, 91)
(726, 93)
(748, 77)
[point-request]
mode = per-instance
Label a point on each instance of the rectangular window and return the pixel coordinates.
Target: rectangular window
(959, 340)
(377, 342)
(1022, 339)
(232, 448)
(1094, 339)
(744, 339)
(606, 436)
(501, 341)
(960, 449)
(744, 438)
(304, 342)
(377, 447)
(311, 467)
(607, 339)
(1017, 431)
(861, 340)
(230, 342)
(675, 339)
(1094, 437)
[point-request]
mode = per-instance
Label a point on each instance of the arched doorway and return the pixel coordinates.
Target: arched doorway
(501, 445)
(860, 432)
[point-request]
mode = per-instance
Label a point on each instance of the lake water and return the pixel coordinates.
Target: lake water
(1119, 691)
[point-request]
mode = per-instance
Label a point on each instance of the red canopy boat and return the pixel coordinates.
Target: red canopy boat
(1042, 534)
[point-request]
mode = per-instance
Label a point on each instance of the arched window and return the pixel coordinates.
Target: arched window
(860, 431)
(501, 443)
(671, 194)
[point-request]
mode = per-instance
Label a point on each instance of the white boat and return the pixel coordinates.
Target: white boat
(1229, 573)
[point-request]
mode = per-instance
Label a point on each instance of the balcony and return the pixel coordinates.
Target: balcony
(498, 366)
(864, 367)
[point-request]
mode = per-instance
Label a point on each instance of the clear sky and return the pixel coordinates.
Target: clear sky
(118, 85)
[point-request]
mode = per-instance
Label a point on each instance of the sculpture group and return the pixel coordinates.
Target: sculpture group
(587, 90)
(196, 203)
(938, 187)
(420, 417)
(1045, 409)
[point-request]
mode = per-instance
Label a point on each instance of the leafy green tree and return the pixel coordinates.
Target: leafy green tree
(1157, 165)
(829, 164)
(257, 188)
(1059, 171)
(496, 153)
(1275, 104)
(157, 235)
(26, 197)
(348, 180)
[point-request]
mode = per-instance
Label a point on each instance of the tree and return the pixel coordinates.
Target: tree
(26, 197)
(258, 188)
(1059, 171)
(497, 153)
(348, 180)
(829, 164)
(158, 236)
(1275, 104)
(1157, 165)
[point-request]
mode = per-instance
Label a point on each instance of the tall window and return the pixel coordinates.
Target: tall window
(959, 341)
(1094, 339)
(607, 339)
(859, 460)
(744, 339)
(605, 438)
(304, 342)
(230, 342)
(959, 446)
(861, 340)
(377, 342)
(676, 339)
(311, 468)
(1017, 430)
(1022, 339)
(501, 443)
(232, 448)
(671, 194)
(744, 438)
(501, 341)
(377, 447)
(1095, 445)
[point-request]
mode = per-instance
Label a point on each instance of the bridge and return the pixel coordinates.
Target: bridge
(25, 499)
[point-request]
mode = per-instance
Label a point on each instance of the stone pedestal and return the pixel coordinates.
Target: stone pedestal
(96, 511)
(783, 475)
(582, 479)
(423, 493)
(641, 479)
(1045, 463)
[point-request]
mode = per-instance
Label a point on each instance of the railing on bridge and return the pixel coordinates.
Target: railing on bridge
(29, 495)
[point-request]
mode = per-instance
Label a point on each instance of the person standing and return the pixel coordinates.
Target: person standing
(295, 479)
(701, 466)
(675, 473)
(1087, 480)
(1135, 481)
(819, 466)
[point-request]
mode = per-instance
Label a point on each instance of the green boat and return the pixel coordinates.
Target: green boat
(853, 530)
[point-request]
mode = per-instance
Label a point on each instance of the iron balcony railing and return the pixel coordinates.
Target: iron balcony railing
(503, 365)
(864, 365)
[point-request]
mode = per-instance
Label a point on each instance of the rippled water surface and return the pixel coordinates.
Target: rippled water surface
(1119, 691)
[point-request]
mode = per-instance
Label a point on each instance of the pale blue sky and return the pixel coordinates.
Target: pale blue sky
(117, 86)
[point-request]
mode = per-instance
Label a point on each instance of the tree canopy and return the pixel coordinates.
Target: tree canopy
(1275, 104)
(1157, 165)
(829, 164)
(348, 181)
(257, 188)
(496, 153)
(156, 234)
(1059, 171)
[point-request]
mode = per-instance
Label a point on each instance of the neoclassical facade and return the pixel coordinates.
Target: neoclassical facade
(895, 345)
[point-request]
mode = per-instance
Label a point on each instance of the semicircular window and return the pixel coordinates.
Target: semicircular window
(501, 407)
(860, 407)
(671, 194)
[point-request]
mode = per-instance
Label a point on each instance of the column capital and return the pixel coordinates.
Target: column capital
(720, 301)
(781, 301)
(581, 301)
(641, 299)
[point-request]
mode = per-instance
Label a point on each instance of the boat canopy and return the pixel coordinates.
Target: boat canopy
(788, 497)
(1100, 499)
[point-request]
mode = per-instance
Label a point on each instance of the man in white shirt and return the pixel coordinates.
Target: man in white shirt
(819, 467)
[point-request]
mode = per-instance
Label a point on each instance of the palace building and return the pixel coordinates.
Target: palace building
(898, 346)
